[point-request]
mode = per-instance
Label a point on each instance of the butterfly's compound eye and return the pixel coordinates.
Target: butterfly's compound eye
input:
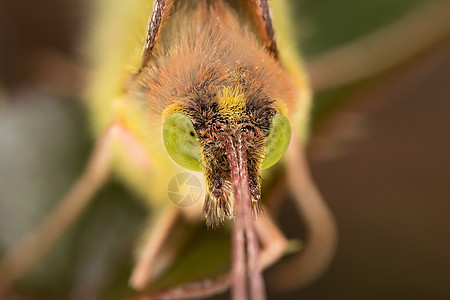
(277, 141)
(182, 142)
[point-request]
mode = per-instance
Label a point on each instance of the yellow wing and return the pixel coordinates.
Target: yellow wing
(293, 64)
(114, 52)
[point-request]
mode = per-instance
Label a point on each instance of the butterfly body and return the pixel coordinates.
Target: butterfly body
(209, 55)
(218, 68)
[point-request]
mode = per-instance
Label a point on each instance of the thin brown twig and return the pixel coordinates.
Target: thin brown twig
(367, 100)
(33, 246)
(383, 49)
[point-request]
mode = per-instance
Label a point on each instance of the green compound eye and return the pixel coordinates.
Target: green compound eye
(181, 141)
(277, 141)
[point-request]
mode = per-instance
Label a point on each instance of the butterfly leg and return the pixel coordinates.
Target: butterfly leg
(147, 266)
(273, 242)
(321, 238)
(33, 246)
(194, 290)
(151, 259)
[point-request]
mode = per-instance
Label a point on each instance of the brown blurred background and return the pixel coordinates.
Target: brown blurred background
(380, 154)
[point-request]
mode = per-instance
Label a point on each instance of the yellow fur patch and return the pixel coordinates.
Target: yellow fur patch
(232, 102)
(173, 108)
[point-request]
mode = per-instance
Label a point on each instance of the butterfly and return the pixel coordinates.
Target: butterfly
(215, 91)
